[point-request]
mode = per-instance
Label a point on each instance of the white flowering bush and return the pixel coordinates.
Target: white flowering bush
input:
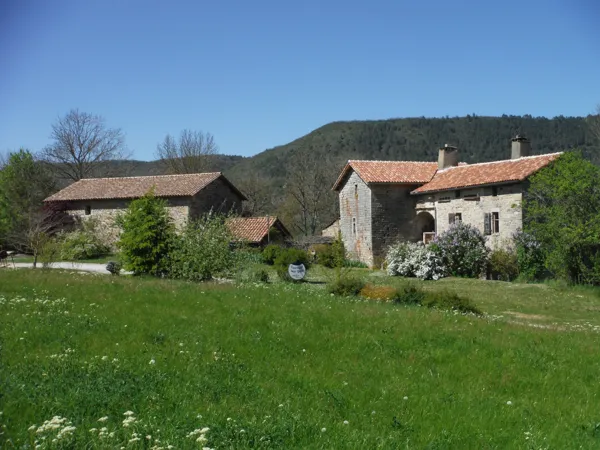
(414, 259)
(462, 250)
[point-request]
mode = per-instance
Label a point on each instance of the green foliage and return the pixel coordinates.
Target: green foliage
(147, 236)
(409, 294)
(270, 253)
(50, 251)
(24, 184)
(333, 255)
(203, 250)
(346, 286)
(530, 257)
(504, 264)
(450, 301)
(83, 243)
(114, 267)
(356, 264)
(289, 256)
(462, 250)
(562, 213)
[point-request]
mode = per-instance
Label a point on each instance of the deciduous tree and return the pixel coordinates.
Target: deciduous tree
(191, 153)
(82, 145)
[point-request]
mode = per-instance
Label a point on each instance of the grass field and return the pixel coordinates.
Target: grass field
(289, 366)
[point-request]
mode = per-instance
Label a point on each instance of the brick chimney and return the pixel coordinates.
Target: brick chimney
(448, 157)
(520, 147)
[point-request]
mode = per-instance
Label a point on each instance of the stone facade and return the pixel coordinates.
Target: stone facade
(475, 206)
(218, 196)
(355, 219)
(332, 230)
(373, 217)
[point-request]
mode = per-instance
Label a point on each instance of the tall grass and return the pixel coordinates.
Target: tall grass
(279, 366)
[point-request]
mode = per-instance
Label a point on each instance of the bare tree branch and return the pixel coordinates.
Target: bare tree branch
(82, 142)
(191, 154)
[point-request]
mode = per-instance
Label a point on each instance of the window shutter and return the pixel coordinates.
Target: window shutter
(487, 224)
(451, 217)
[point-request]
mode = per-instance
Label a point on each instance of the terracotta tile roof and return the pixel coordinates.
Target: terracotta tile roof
(134, 187)
(252, 229)
(401, 172)
(486, 173)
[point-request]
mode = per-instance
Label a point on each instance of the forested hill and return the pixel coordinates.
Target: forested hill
(479, 139)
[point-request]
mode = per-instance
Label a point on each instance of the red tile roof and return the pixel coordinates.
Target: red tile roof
(253, 229)
(185, 185)
(398, 172)
(486, 173)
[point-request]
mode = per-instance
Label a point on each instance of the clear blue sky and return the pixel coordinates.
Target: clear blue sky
(262, 73)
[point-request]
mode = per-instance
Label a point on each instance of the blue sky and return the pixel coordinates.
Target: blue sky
(263, 73)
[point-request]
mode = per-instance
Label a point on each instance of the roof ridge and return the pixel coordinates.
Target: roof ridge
(522, 158)
(381, 161)
(150, 176)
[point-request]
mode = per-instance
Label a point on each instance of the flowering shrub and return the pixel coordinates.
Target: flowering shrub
(83, 244)
(530, 257)
(409, 259)
(462, 250)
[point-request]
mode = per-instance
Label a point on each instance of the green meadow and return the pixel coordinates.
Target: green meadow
(134, 363)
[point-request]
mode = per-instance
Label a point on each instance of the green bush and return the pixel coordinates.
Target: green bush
(450, 301)
(253, 275)
(83, 244)
(270, 253)
(203, 250)
(333, 255)
(345, 286)
(504, 264)
(114, 267)
(49, 252)
(147, 236)
(289, 256)
(530, 257)
(410, 294)
(355, 264)
(462, 250)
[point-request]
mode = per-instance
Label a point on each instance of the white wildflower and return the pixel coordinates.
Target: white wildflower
(323, 430)
(104, 358)
(103, 419)
(128, 413)
(152, 361)
(346, 422)
(405, 397)
(509, 403)
(202, 439)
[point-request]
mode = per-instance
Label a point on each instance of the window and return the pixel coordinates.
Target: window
(457, 194)
(491, 223)
(494, 191)
(444, 200)
(356, 190)
(88, 210)
(354, 225)
(495, 222)
(454, 217)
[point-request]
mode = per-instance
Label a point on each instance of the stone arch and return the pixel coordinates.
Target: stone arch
(425, 223)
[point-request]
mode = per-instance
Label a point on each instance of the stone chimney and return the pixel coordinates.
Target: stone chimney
(520, 147)
(448, 157)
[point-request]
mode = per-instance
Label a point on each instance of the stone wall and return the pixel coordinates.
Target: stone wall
(473, 204)
(217, 196)
(104, 212)
(355, 219)
(332, 230)
(393, 216)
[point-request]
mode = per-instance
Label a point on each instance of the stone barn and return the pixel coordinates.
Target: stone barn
(188, 196)
(383, 202)
(258, 231)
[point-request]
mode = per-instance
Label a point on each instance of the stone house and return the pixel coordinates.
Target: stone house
(332, 230)
(383, 202)
(188, 196)
(258, 231)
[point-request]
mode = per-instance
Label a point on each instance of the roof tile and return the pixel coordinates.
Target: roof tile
(250, 229)
(486, 173)
(401, 172)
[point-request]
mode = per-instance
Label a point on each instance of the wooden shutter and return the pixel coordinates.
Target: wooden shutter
(451, 218)
(487, 224)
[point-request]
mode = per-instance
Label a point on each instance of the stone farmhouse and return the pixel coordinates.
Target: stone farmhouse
(188, 196)
(258, 231)
(384, 202)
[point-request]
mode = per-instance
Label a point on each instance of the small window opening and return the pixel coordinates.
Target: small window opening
(457, 194)
(458, 217)
(495, 222)
(356, 190)
(88, 210)
(354, 225)
(494, 191)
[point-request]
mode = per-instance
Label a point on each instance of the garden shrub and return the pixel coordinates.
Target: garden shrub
(377, 292)
(203, 250)
(333, 255)
(414, 259)
(345, 286)
(355, 264)
(530, 257)
(410, 294)
(503, 264)
(114, 267)
(83, 244)
(49, 252)
(253, 275)
(270, 253)
(147, 236)
(289, 256)
(462, 250)
(450, 301)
